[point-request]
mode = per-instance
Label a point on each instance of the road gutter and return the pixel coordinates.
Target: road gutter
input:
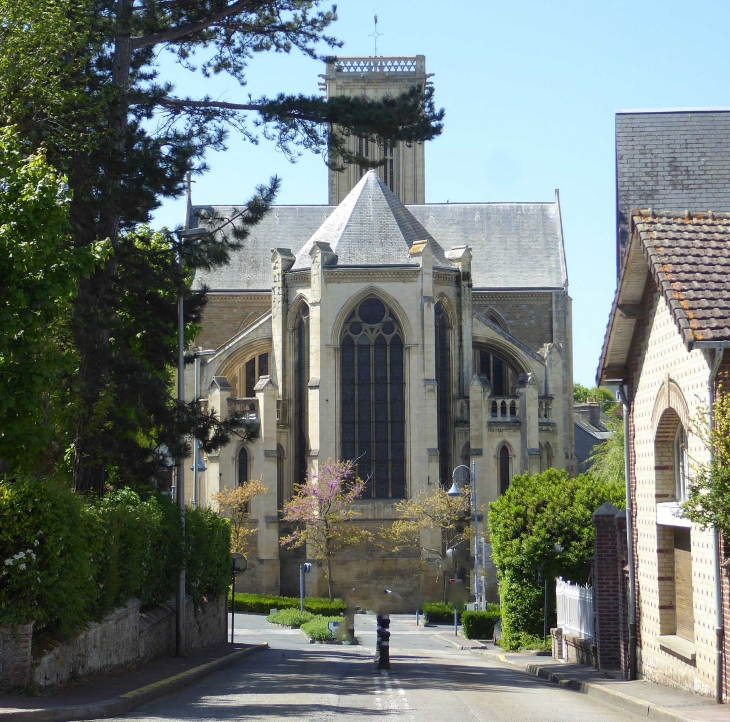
(128, 701)
(637, 706)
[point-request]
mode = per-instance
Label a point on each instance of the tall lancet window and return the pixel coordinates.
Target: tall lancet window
(443, 399)
(373, 398)
(301, 394)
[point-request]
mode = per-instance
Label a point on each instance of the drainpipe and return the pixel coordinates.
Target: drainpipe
(714, 364)
(629, 536)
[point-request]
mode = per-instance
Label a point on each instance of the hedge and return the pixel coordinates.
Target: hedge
(479, 624)
(264, 603)
(318, 628)
(543, 523)
(290, 617)
(67, 559)
(440, 612)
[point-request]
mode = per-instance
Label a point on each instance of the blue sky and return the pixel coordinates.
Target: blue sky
(530, 89)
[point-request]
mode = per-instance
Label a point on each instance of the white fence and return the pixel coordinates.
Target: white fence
(575, 609)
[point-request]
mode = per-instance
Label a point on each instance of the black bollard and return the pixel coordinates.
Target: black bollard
(383, 643)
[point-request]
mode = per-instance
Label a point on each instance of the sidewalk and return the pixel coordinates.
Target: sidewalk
(118, 692)
(645, 699)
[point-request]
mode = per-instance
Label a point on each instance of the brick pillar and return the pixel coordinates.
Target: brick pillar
(622, 569)
(15, 656)
(606, 594)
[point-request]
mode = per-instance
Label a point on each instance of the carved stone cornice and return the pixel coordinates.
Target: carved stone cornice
(447, 278)
(257, 297)
(298, 279)
(480, 296)
(350, 275)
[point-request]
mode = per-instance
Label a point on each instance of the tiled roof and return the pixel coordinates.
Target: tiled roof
(371, 227)
(689, 257)
(672, 160)
(514, 245)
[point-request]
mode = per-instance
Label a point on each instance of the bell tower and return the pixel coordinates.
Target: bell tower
(377, 78)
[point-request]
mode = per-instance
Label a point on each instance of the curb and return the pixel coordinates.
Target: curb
(611, 696)
(129, 700)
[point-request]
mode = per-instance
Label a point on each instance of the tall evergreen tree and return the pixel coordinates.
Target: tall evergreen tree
(125, 139)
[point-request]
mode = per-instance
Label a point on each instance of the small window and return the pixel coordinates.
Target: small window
(504, 470)
(681, 463)
(242, 466)
(254, 368)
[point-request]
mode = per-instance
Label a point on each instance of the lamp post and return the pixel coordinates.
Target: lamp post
(455, 491)
(182, 236)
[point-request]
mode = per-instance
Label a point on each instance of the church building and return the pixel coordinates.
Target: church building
(410, 336)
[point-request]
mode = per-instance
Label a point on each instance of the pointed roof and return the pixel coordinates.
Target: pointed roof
(371, 227)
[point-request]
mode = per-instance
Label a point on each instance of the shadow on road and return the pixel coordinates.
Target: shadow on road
(260, 686)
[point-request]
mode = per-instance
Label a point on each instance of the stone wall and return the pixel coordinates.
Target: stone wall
(123, 638)
(15, 656)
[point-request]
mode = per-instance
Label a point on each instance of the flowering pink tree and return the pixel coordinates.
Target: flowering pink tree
(322, 507)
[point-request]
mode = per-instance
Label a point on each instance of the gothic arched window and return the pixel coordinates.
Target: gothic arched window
(301, 394)
(443, 399)
(373, 398)
(242, 466)
(501, 374)
(504, 470)
(281, 487)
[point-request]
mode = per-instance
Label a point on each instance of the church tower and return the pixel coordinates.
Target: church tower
(376, 78)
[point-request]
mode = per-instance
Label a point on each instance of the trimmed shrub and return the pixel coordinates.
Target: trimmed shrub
(264, 603)
(479, 624)
(138, 552)
(290, 617)
(439, 612)
(543, 524)
(46, 571)
(207, 553)
(66, 559)
(318, 629)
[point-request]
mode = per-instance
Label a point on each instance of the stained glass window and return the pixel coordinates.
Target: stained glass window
(443, 398)
(501, 375)
(504, 470)
(373, 398)
(301, 395)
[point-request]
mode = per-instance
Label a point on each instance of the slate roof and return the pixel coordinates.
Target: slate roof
(371, 227)
(672, 160)
(688, 258)
(514, 245)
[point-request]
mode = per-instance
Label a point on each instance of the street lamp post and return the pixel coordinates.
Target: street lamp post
(456, 491)
(182, 235)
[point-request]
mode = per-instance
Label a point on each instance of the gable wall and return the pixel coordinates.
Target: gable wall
(657, 355)
(528, 315)
(226, 314)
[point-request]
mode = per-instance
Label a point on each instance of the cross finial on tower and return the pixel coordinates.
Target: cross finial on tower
(375, 35)
(189, 187)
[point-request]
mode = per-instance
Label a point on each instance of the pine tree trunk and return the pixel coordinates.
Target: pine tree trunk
(92, 310)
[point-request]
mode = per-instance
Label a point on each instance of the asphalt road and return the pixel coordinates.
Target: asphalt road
(431, 680)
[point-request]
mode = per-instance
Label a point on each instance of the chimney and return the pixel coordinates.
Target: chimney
(590, 412)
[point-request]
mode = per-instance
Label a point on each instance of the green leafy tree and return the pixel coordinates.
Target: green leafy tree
(125, 139)
(38, 276)
(432, 523)
(607, 458)
(322, 509)
(597, 394)
(708, 495)
(542, 525)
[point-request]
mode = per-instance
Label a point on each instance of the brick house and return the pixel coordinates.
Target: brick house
(666, 344)
(411, 336)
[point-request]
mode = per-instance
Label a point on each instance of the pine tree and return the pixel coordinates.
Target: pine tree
(125, 139)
